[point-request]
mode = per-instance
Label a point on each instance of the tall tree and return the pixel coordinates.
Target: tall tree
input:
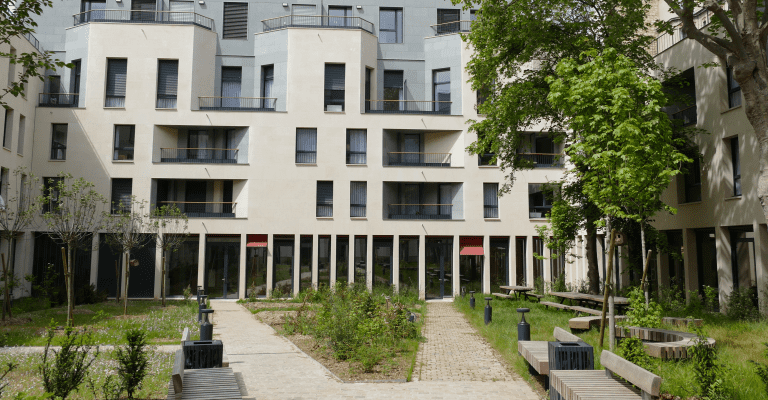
(169, 227)
(738, 37)
(517, 46)
(72, 215)
(16, 214)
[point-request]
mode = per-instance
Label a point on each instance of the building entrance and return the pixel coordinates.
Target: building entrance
(222, 270)
(439, 268)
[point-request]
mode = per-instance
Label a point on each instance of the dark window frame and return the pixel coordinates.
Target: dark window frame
(167, 90)
(118, 200)
(115, 92)
(127, 151)
(357, 209)
(692, 181)
(58, 146)
(324, 203)
(538, 201)
(357, 157)
(398, 29)
(491, 202)
(48, 184)
(441, 107)
(734, 100)
(226, 27)
(333, 96)
(736, 166)
(306, 156)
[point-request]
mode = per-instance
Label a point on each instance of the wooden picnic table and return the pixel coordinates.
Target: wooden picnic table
(517, 290)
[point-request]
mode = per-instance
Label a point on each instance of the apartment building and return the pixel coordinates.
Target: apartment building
(307, 143)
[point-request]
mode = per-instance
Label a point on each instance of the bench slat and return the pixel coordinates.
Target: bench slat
(646, 381)
(561, 335)
(177, 376)
(555, 305)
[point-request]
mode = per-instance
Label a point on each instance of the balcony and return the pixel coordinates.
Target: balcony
(211, 103)
(666, 40)
(543, 160)
(452, 27)
(317, 21)
(144, 17)
(420, 211)
(409, 159)
(407, 107)
(687, 116)
(198, 156)
(203, 209)
(58, 99)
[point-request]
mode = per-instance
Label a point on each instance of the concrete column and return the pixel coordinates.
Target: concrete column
(455, 270)
(94, 257)
(724, 270)
(158, 270)
(761, 269)
(351, 260)
(241, 287)
(422, 267)
(529, 261)
(395, 263)
(369, 263)
(200, 263)
(296, 264)
(315, 253)
(333, 262)
(512, 264)
(486, 265)
(270, 263)
(690, 263)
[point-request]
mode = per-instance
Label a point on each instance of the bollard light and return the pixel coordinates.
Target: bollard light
(201, 304)
(523, 328)
(472, 299)
(488, 310)
(206, 328)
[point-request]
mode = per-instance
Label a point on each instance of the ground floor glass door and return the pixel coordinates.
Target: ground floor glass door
(256, 276)
(382, 261)
(439, 267)
(222, 267)
(282, 265)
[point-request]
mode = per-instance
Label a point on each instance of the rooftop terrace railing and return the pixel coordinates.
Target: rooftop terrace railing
(144, 17)
(407, 107)
(58, 99)
(666, 40)
(448, 28)
(411, 159)
(32, 39)
(544, 160)
(211, 103)
(316, 21)
(420, 211)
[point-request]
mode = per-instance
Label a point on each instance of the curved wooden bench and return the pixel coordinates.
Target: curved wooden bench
(586, 323)
(662, 343)
(682, 322)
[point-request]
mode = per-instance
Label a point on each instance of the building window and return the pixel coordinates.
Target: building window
(394, 92)
(473, 15)
(51, 189)
(539, 202)
(441, 90)
(181, 11)
(267, 82)
(736, 165)
(231, 87)
(486, 159)
(143, 10)
(339, 16)
(368, 89)
(22, 128)
(124, 138)
(734, 90)
(358, 193)
(235, 21)
(334, 87)
(491, 200)
(692, 181)
(8, 128)
(11, 67)
(121, 195)
(58, 141)
(324, 199)
(167, 83)
(447, 20)
(92, 10)
(356, 146)
(306, 146)
(117, 70)
(74, 82)
(390, 25)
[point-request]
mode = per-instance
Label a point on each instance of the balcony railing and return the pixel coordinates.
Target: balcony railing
(210, 103)
(33, 40)
(452, 27)
(194, 209)
(405, 159)
(58, 99)
(316, 21)
(490, 211)
(198, 156)
(544, 160)
(687, 115)
(666, 40)
(420, 211)
(407, 107)
(144, 17)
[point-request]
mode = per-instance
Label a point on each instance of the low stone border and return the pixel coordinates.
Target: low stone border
(662, 343)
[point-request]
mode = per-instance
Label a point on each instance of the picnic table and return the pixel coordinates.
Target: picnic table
(518, 290)
(584, 299)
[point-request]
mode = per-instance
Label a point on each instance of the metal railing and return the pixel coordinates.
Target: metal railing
(212, 103)
(144, 17)
(316, 21)
(452, 27)
(490, 211)
(420, 211)
(666, 40)
(33, 40)
(544, 160)
(407, 107)
(687, 115)
(539, 212)
(409, 159)
(58, 99)
(196, 209)
(198, 156)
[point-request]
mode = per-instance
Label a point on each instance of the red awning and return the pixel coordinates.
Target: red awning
(471, 251)
(256, 241)
(471, 245)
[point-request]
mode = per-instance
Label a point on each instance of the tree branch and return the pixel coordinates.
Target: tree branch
(717, 46)
(732, 31)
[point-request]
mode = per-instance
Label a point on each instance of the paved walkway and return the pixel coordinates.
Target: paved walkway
(273, 368)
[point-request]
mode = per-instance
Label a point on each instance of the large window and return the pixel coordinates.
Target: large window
(356, 146)
(143, 10)
(92, 10)
(74, 82)
(324, 199)
(121, 195)
(734, 90)
(235, 21)
(491, 200)
(441, 90)
(50, 188)
(394, 92)
(447, 20)
(167, 83)
(22, 129)
(58, 141)
(390, 25)
(117, 71)
(736, 165)
(124, 140)
(267, 81)
(11, 67)
(692, 181)
(339, 16)
(231, 87)
(539, 202)
(486, 159)
(306, 146)
(334, 87)
(358, 193)
(8, 128)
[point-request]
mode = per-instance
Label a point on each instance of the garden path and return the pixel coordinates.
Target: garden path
(273, 368)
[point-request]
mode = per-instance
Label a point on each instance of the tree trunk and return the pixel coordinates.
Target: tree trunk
(593, 274)
(5, 286)
(70, 282)
(644, 282)
(607, 286)
(162, 282)
(117, 280)
(127, 274)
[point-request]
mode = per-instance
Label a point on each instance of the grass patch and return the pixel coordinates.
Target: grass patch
(106, 322)
(737, 342)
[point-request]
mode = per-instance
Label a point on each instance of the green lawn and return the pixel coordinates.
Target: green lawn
(737, 342)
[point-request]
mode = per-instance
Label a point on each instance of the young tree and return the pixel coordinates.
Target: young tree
(128, 230)
(16, 215)
(169, 226)
(738, 37)
(71, 213)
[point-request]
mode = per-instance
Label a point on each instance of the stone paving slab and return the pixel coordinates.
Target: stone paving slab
(271, 367)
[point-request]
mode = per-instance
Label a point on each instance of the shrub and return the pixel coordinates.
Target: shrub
(89, 295)
(133, 361)
(110, 389)
(633, 350)
(538, 285)
(66, 370)
(762, 370)
(711, 299)
(640, 314)
(708, 372)
(187, 293)
(741, 305)
(5, 371)
(559, 284)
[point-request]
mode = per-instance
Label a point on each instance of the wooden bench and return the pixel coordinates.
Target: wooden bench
(530, 295)
(202, 384)
(555, 305)
(586, 323)
(503, 296)
(537, 352)
(602, 384)
(586, 310)
(682, 322)
(662, 343)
